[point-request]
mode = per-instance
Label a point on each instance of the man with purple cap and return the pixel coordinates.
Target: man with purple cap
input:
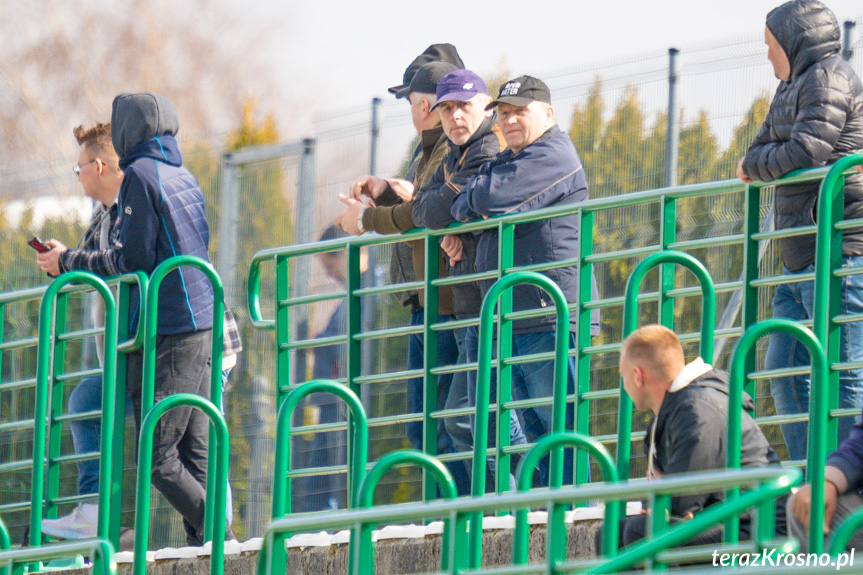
(390, 213)
(474, 139)
(539, 169)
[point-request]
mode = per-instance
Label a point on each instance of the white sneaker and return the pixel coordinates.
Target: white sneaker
(76, 525)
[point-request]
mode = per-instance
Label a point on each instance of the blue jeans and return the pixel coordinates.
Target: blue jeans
(447, 354)
(534, 380)
(791, 394)
(459, 428)
(87, 433)
(516, 435)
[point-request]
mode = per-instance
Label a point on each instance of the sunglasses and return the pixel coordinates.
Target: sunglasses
(77, 167)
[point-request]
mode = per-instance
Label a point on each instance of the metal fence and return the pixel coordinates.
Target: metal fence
(616, 111)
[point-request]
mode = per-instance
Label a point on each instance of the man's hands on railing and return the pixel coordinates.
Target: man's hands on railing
(743, 177)
(453, 248)
(801, 505)
(49, 262)
(348, 220)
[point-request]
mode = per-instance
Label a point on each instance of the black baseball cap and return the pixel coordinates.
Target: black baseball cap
(434, 53)
(522, 91)
(427, 78)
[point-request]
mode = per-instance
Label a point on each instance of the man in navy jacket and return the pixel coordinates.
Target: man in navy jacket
(843, 492)
(539, 168)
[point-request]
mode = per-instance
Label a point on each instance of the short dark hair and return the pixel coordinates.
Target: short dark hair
(333, 233)
(97, 141)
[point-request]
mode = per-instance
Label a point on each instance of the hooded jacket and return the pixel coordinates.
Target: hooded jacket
(847, 461)
(161, 211)
(691, 431)
(432, 206)
(815, 119)
(546, 173)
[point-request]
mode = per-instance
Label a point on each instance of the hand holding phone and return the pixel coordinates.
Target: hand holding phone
(39, 245)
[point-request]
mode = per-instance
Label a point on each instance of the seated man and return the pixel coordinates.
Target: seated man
(843, 488)
(539, 169)
(689, 427)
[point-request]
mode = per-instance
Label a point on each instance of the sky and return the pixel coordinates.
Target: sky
(339, 54)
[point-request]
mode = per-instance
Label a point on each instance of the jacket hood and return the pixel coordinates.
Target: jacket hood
(718, 380)
(136, 118)
(806, 30)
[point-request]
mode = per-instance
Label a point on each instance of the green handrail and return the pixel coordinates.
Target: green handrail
(770, 478)
(5, 545)
(220, 478)
(556, 533)
(818, 415)
(630, 322)
(361, 555)
(828, 287)
(148, 379)
(43, 380)
(686, 530)
(483, 385)
(100, 550)
(360, 440)
(844, 532)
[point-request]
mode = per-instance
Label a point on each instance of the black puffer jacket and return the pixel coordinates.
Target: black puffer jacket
(816, 118)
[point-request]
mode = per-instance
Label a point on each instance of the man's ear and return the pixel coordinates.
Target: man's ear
(425, 108)
(639, 376)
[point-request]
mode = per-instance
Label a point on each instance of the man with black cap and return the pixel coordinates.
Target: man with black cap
(539, 168)
(815, 119)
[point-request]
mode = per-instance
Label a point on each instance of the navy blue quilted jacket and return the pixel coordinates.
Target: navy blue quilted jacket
(161, 211)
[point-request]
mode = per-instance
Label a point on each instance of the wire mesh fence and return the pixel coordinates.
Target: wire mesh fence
(615, 111)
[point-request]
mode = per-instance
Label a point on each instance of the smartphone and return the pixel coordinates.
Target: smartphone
(38, 245)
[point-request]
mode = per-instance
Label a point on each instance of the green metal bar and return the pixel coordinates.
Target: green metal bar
(55, 387)
(430, 355)
(630, 321)
(506, 260)
(561, 348)
(282, 465)
(220, 477)
(556, 533)
(100, 549)
(43, 377)
(148, 380)
(842, 535)
(361, 553)
(817, 417)
(5, 542)
(828, 288)
(583, 340)
(749, 304)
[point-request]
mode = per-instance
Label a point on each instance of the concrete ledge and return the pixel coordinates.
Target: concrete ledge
(392, 556)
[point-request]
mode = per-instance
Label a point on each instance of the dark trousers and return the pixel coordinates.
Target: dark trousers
(180, 437)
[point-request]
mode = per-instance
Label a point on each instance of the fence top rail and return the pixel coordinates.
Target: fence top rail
(37, 292)
(677, 192)
(681, 484)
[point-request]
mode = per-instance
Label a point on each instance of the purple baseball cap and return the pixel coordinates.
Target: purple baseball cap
(459, 85)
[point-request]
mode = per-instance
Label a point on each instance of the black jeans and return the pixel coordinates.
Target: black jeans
(180, 437)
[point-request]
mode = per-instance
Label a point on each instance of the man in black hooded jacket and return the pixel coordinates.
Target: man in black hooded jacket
(815, 119)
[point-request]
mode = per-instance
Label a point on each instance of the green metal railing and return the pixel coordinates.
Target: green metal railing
(630, 321)
(453, 553)
(818, 416)
(217, 481)
(148, 379)
(13, 561)
(51, 376)
(282, 472)
(556, 538)
(43, 381)
(761, 484)
(483, 385)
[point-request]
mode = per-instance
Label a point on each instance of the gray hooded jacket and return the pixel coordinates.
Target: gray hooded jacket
(815, 119)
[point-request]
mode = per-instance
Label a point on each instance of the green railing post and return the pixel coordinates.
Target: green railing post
(582, 359)
(5, 545)
(44, 374)
(817, 453)
(827, 302)
(561, 364)
(556, 533)
(430, 357)
(361, 555)
(630, 322)
(148, 379)
(220, 478)
(282, 466)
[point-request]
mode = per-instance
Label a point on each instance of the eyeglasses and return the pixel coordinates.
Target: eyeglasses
(77, 167)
